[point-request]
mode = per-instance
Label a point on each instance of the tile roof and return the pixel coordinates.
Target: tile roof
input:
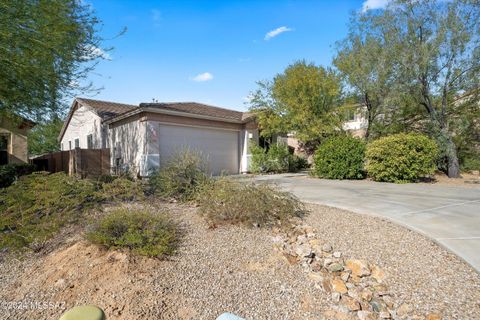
(198, 109)
(106, 109)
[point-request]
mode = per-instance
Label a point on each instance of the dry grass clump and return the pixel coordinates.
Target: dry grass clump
(225, 201)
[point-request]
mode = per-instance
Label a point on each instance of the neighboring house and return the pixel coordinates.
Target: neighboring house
(142, 138)
(13, 139)
(357, 123)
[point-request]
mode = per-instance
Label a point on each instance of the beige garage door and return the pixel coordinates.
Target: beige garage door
(219, 147)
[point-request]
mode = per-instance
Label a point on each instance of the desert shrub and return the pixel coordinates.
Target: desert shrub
(181, 177)
(224, 201)
(11, 172)
(142, 232)
(276, 159)
(401, 158)
(340, 157)
(37, 205)
(122, 189)
(471, 163)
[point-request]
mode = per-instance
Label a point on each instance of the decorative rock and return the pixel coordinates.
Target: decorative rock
(339, 286)
(350, 303)
(303, 251)
(337, 254)
(433, 316)
(327, 262)
(359, 267)
(384, 315)
(344, 276)
(404, 310)
(378, 274)
(350, 285)
(389, 301)
(335, 267)
(366, 315)
(336, 297)
(327, 285)
(315, 277)
(378, 305)
(327, 248)
(366, 295)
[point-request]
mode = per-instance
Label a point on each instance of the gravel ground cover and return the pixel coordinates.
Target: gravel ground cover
(418, 271)
(235, 269)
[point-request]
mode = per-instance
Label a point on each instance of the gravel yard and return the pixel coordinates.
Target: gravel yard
(236, 269)
(418, 271)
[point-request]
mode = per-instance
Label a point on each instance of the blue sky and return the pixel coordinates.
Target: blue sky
(212, 51)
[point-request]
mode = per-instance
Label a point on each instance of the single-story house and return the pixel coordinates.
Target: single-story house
(144, 137)
(13, 139)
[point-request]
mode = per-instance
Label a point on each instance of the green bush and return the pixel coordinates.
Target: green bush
(277, 159)
(181, 177)
(142, 232)
(401, 158)
(11, 172)
(340, 157)
(471, 163)
(122, 189)
(35, 207)
(224, 201)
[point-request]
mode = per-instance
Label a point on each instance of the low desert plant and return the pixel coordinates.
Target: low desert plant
(37, 205)
(122, 189)
(401, 158)
(224, 201)
(9, 173)
(181, 177)
(340, 157)
(142, 232)
(276, 159)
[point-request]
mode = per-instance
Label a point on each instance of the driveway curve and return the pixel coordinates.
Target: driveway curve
(449, 215)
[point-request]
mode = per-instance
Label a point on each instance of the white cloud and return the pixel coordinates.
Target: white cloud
(276, 32)
(202, 77)
(374, 4)
(92, 52)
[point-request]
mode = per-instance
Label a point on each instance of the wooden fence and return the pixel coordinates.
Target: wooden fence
(79, 162)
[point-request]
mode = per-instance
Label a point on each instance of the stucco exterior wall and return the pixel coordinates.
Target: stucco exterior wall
(128, 144)
(84, 122)
(17, 146)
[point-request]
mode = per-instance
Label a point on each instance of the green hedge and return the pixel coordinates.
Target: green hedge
(340, 157)
(276, 159)
(401, 158)
(11, 172)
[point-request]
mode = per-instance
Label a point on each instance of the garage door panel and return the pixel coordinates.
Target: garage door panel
(219, 147)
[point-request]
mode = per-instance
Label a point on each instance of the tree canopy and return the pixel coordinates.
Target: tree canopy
(46, 49)
(43, 137)
(303, 99)
(417, 63)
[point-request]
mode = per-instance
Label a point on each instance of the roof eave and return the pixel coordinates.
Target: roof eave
(174, 113)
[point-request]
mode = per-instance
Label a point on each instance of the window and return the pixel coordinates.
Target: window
(70, 145)
(89, 141)
(77, 143)
(3, 149)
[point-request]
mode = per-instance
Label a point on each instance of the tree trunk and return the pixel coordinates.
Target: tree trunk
(453, 170)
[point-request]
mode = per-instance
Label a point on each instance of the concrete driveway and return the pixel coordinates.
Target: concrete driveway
(449, 215)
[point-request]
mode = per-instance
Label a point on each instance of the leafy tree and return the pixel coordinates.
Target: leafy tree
(303, 99)
(43, 137)
(433, 50)
(46, 49)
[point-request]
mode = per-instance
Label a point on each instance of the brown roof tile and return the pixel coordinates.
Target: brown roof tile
(106, 109)
(198, 109)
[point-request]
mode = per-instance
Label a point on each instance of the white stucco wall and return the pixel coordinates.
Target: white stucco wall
(128, 145)
(248, 137)
(84, 122)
